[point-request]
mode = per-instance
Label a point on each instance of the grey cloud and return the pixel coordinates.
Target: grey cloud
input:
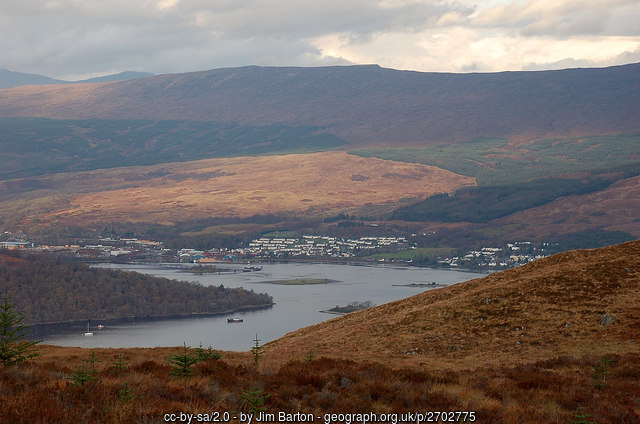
(69, 44)
(72, 39)
(281, 18)
(576, 22)
(628, 57)
(626, 21)
(563, 19)
(76, 39)
(621, 59)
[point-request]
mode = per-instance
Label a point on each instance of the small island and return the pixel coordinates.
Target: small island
(303, 281)
(204, 269)
(432, 284)
(351, 307)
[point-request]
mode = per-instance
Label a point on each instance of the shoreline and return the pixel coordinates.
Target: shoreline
(142, 318)
(187, 266)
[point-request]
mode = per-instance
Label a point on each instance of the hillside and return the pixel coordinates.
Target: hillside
(234, 187)
(9, 79)
(38, 146)
(551, 307)
(363, 104)
(612, 209)
(526, 139)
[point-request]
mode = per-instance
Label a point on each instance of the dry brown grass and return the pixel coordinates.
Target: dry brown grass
(614, 208)
(547, 308)
(543, 392)
(245, 186)
(6, 259)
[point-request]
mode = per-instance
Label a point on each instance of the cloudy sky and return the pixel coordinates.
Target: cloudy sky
(74, 39)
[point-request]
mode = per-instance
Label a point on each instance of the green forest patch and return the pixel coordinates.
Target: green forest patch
(514, 178)
(495, 161)
(483, 204)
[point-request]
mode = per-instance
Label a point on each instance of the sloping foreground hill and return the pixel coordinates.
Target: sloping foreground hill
(560, 305)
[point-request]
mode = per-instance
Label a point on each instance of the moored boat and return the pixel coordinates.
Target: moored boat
(87, 333)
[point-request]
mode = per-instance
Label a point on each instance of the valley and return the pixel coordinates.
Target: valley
(320, 212)
(363, 163)
(217, 158)
(550, 341)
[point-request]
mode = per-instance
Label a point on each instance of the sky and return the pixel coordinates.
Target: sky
(76, 39)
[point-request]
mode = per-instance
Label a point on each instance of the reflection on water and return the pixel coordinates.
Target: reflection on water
(295, 306)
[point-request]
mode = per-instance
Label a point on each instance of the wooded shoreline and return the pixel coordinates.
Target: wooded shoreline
(156, 317)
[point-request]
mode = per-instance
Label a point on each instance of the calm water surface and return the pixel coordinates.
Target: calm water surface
(295, 306)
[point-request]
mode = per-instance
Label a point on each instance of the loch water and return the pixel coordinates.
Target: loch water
(296, 306)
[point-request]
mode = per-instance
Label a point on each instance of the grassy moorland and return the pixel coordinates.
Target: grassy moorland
(613, 210)
(141, 389)
(549, 307)
(554, 341)
(232, 187)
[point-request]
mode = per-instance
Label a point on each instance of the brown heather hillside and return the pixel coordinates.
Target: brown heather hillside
(9, 260)
(614, 208)
(548, 308)
(143, 391)
(231, 187)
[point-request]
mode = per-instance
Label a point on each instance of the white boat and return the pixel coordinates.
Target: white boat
(87, 333)
(250, 268)
(234, 319)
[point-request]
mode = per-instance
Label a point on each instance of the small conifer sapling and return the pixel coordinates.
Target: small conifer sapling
(13, 346)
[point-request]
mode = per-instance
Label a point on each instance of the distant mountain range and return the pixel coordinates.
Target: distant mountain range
(10, 79)
(556, 151)
(364, 105)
